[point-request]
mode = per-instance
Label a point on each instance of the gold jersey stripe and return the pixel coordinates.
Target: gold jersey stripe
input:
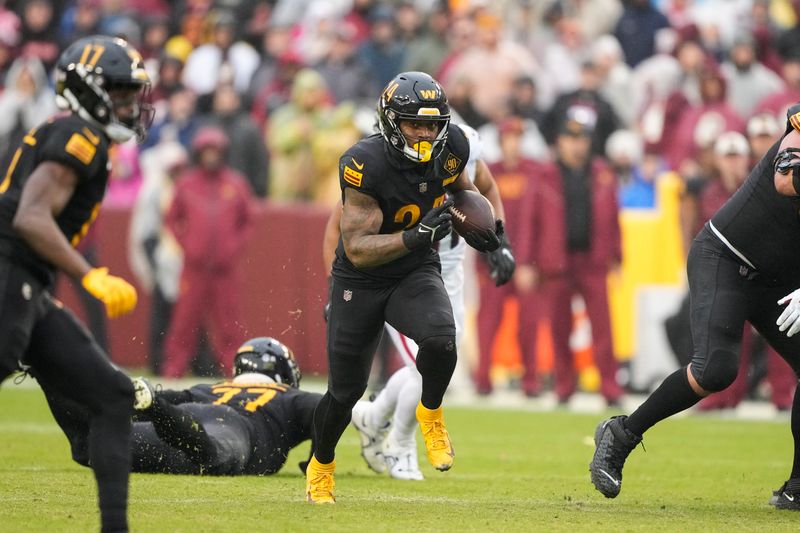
(352, 177)
(80, 147)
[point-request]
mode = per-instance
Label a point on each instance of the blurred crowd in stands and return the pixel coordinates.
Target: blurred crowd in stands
(293, 83)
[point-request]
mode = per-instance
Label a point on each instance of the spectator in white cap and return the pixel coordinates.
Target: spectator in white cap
(762, 131)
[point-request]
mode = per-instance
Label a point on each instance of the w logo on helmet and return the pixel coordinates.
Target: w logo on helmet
(429, 94)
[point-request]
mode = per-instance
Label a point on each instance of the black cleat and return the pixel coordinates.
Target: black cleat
(787, 498)
(613, 444)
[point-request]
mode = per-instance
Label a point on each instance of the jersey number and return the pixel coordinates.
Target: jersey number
(91, 54)
(409, 213)
(228, 393)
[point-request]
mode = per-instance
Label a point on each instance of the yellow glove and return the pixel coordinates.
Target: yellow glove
(118, 295)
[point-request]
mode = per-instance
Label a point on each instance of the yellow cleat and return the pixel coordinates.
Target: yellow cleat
(319, 482)
(437, 440)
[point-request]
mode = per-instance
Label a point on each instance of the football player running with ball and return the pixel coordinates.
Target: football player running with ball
(744, 265)
(388, 424)
(50, 195)
(386, 269)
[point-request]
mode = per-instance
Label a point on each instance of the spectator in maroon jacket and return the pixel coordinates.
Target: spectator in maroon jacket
(714, 108)
(568, 245)
(513, 174)
(211, 218)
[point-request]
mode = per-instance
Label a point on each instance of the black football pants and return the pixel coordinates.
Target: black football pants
(724, 294)
(67, 363)
(418, 307)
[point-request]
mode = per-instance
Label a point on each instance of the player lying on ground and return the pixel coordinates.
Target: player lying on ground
(244, 426)
(388, 424)
(744, 265)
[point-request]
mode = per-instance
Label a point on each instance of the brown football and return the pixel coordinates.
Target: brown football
(471, 211)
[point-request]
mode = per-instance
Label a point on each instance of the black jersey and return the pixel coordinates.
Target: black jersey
(763, 224)
(282, 417)
(73, 142)
(405, 192)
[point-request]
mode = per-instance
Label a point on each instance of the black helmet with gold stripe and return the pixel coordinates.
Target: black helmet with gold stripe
(93, 67)
(268, 356)
(413, 96)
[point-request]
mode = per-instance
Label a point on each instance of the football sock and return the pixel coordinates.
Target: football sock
(385, 403)
(436, 361)
(181, 430)
(796, 434)
(330, 420)
(110, 457)
(672, 396)
(404, 422)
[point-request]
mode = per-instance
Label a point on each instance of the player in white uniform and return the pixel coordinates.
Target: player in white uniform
(387, 425)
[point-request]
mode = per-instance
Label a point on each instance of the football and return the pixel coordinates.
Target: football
(471, 211)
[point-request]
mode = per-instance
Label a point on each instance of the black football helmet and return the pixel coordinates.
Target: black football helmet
(413, 96)
(91, 67)
(268, 356)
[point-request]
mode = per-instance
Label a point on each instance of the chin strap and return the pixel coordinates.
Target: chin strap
(116, 130)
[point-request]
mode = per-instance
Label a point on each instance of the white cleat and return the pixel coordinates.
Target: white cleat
(402, 462)
(372, 437)
(143, 394)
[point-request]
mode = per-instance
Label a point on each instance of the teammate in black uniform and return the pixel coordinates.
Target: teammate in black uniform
(744, 265)
(49, 196)
(386, 269)
(243, 426)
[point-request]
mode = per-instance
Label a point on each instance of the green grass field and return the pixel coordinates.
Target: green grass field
(514, 471)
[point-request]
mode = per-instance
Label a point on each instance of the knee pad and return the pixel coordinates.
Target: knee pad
(719, 371)
(442, 345)
(437, 353)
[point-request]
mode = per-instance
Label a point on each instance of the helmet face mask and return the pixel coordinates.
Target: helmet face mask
(413, 97)
(93, 69)
(270, 357)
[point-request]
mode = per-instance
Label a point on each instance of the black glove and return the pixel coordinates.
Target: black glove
(434, 226)
(501, 261)
(484, 240)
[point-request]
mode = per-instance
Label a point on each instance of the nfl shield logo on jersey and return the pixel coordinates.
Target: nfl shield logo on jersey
(347, 295)
(423, 186)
